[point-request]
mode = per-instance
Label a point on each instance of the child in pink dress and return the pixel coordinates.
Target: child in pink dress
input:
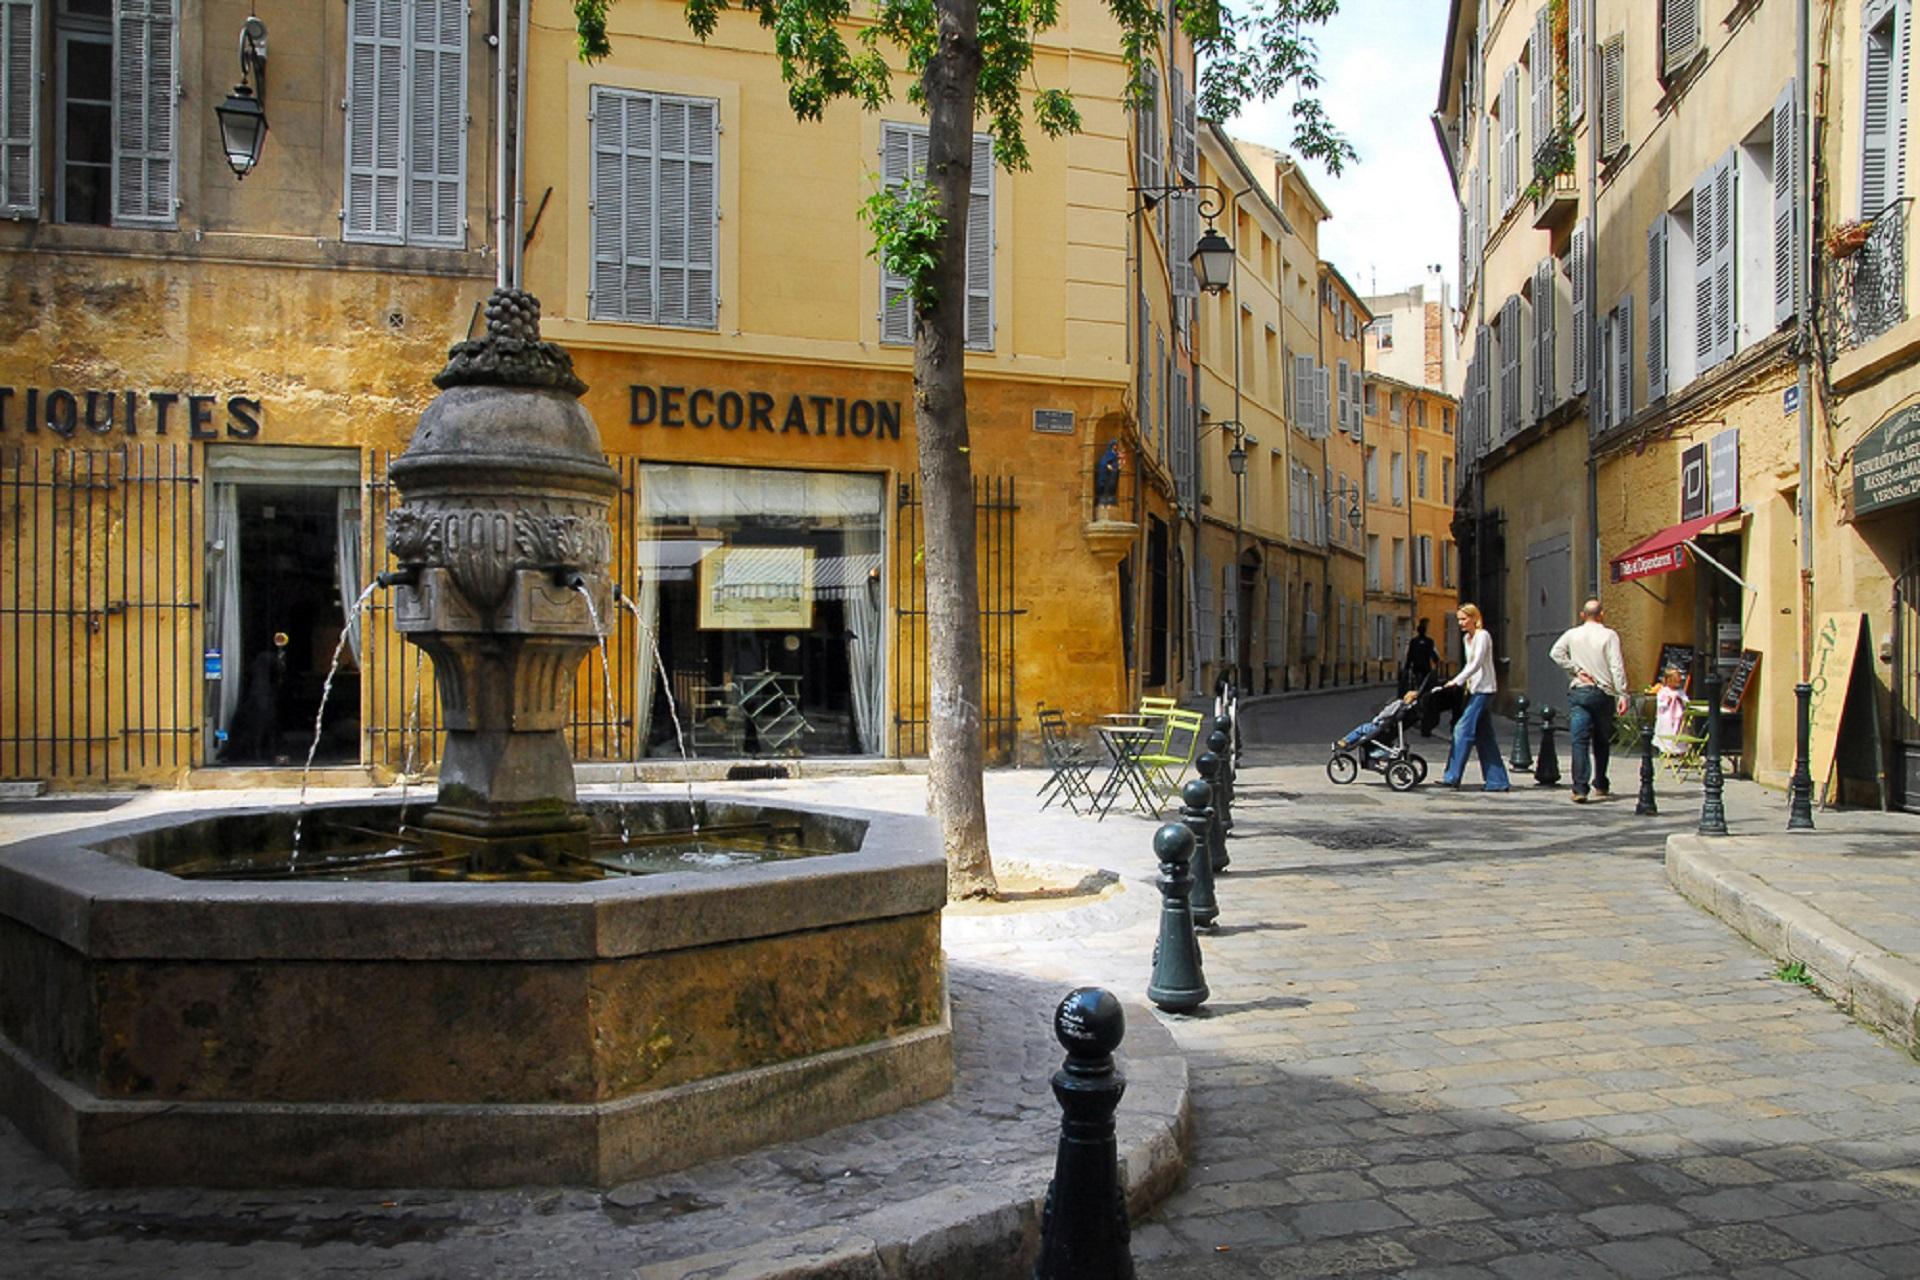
(1669, 711)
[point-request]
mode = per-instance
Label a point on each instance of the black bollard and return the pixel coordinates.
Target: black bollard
(1177, 984)
(1084, 1234)
(1222, 794)
(1646, 807)
(1522, 759)
(1203, 819)
(1546, 767)
(1800, 789)
(1713, 813)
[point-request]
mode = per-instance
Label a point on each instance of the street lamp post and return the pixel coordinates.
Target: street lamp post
(243, 116)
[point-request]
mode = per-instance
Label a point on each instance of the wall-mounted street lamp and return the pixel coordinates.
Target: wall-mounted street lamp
(243, 116)
(1242, 438)
(1350, 497)
(1212, 256)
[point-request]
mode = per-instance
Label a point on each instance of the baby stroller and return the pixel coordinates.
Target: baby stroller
(1380, 745)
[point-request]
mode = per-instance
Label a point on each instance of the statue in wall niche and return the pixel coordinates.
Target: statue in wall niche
(1106, 476)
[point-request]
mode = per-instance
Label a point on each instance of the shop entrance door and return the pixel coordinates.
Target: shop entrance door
(283, 572)
(1906, 686)
(1549, 613)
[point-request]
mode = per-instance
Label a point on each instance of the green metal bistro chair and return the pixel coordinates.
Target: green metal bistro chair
(1069, 769)
(1167, 762)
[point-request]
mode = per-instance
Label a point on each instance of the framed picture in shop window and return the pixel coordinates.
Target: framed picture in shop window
(744, 588)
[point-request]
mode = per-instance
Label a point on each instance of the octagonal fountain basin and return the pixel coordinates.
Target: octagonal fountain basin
(177, 1005)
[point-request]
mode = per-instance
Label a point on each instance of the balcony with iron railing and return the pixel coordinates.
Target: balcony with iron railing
(1555, 192)
(1866, 277)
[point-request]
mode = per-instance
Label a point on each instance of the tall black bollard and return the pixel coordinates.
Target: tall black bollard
(1713, 813)
(1800, 789)
(1646, 807)
(1546, 767)
(1521, 761)
(1084, 1234)
(1177, 984)
(1217, 743)
(1204, 821)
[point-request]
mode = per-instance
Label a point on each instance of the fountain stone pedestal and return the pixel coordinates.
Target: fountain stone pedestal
(504, 545)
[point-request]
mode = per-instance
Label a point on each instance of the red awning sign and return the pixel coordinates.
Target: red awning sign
(1665, 551)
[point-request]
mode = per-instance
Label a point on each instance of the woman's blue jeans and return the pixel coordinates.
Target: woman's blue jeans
(1474, 731)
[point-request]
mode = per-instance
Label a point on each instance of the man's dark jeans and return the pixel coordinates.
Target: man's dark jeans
(1590, 721)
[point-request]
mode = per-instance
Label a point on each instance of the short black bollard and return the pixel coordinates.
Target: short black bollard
(1217, 743)
(1800, 789)
(1646, 807)
(1546, 767)
(1713, 813)
(1177, 984)
(1084, 1233)
(1203, 819)
(1521, 761)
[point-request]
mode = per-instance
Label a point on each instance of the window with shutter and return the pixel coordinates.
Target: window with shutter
(1185, 217)
(406, 113)
(1544, 277)
(1345, 395)
(1613, 96)
(1186, 124)
(1725, 239)
(1322, 403)
(1276, 621)
(1622, 393)
(19, 109)
(903, 156)
(1576, 59)
(1540, 82)
(1510, 344)
(146, 50)
(1509, 138)
(1883, 115)
(1786, 171)
(1599, 408)
(1146, 132)
(655, 208)
(1657, 308)
(1206, 638)
(1303, 415)
(1679, 35)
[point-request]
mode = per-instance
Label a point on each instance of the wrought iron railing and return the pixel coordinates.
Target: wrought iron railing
(1867, 287)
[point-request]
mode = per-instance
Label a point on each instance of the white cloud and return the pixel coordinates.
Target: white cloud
(1393, 212)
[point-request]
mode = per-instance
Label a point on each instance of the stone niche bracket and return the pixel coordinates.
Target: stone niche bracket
(1110, 539)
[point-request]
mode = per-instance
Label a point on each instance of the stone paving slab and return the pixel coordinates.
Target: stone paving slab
(1846, 906)
(952, 1188)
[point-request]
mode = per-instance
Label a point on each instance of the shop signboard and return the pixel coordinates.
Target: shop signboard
(1886, 463)
(1836, 640)
(1678, 657)
(1723, 471)
(1736, 691)
(1693, 482)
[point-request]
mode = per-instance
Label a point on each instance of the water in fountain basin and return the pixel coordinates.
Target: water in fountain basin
(413, 735)
(319, 716)
(673, 712)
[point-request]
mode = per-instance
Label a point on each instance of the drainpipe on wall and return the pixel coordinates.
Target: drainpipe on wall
(1593, 278)
(520, 151)
(1802, 310)
(502, 246)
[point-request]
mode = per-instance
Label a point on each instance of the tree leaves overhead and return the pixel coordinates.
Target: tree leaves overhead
(827, 51)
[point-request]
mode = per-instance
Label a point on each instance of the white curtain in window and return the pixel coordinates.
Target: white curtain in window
(864, 638)
(223, 599)
(347, 553)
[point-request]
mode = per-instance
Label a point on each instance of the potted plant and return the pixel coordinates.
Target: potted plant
(1846, 239)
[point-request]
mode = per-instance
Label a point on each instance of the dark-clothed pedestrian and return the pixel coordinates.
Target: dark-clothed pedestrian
(1473, 731)
(1590, 654)
(1422, 658)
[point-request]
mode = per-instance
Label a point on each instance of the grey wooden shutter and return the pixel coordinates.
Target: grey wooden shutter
(1509, 137)
(1622, 397)
(1186, 233)
(1600, 410)
(684, 191)
(1679, 35)
(1578, 257)
(1185, 126)
(1510, 344)
(1545, 277)
(622, 212)
(980, 247)
(1276, 621)
(19, 109)
(376, 107)
(1883, 105)
(1488, 161)
(1786, 175)
(1576, 59)
(1613, 96)
(1540, 76)
(1724, 238)
(1206, 642)
(1345, 394)
(1322, 402)
(145, 87)
(902, 155)
(1484, 355)
(1705, 208)
(1657, 308)
(1148, 147)
(437, 116)
(1303, 394)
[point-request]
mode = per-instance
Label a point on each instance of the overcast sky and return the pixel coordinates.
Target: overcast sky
(1393, 213)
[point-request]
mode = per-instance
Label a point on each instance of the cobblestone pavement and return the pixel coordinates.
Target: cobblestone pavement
(1450, 1035)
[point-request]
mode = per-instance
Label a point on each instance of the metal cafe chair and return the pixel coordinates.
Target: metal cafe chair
(1069, 770)
(1166, 765)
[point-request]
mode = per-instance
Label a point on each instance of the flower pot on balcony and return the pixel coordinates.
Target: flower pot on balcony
(1847, 239)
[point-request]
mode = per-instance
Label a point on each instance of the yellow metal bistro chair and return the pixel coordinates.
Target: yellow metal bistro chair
(1166, 763)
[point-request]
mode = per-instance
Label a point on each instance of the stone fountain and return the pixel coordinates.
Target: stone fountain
(513, 998)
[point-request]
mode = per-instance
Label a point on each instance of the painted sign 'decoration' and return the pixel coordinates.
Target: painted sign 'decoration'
(702, 408)
(67, 413)
(1886, 463)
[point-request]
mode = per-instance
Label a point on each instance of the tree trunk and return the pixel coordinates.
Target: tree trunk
(955, 785)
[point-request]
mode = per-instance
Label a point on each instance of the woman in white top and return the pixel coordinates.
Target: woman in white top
(1473, 731)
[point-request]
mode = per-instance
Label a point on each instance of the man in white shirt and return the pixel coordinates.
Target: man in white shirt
(1590, 654)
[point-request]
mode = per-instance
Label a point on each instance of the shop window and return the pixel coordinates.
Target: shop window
(406, 121)
(765, 591)
(903, 156)
(655, 208)
(112, 118)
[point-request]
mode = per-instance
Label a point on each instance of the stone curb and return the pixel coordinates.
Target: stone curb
(1876, 986)
(991, 1229)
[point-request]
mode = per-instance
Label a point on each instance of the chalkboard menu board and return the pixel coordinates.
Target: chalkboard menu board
(1676, 655)
(1736, 690)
